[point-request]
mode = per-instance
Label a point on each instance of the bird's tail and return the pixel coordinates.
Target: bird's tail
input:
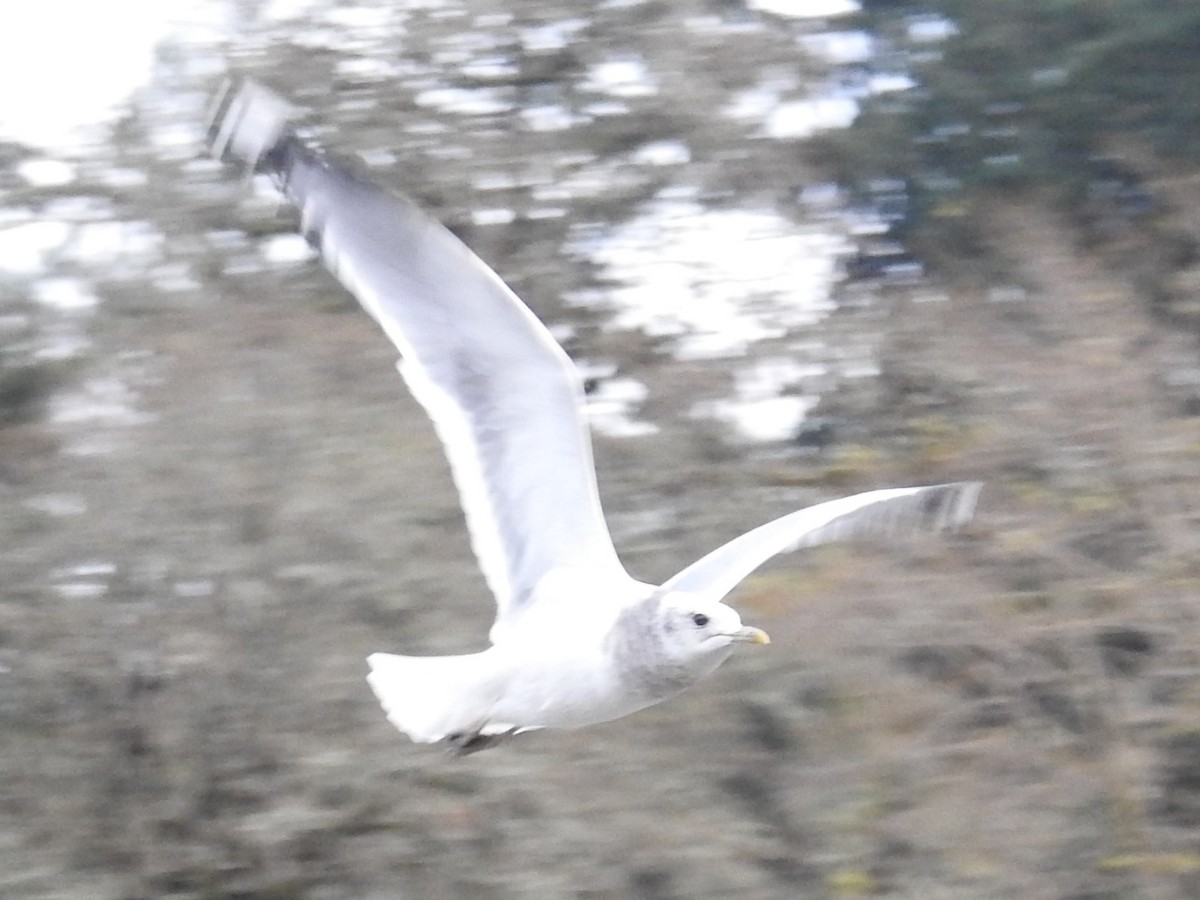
(246, 121)
(432, 698)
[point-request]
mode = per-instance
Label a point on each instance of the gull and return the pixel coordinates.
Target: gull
(576, 639)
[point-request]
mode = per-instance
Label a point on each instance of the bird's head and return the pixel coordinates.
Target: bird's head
(672, 639)
(693, 626)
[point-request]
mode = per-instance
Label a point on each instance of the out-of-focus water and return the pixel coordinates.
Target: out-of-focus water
(715, 281)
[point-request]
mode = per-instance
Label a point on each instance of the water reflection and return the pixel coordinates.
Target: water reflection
(613, 400)
(25, 246)
(715, 281)
(741, 282)
(620, 77)
(46, 172)
(769, 402)
(83, 581)
(65, 294)
(802, 9)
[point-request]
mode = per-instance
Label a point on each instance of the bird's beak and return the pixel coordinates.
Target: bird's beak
(752, 636)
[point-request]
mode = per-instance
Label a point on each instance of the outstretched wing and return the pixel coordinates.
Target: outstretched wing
(877, 514)
(504, 398)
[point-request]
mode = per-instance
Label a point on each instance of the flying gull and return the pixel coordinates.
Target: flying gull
(576, 640)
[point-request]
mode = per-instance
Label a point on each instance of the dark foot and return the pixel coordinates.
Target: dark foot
(464, 744)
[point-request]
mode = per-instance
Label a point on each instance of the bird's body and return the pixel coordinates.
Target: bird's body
(568, 665)
(558, 680)
(576, 640)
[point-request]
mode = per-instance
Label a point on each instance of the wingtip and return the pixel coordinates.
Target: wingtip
(961, 503)
(969, 500)
(949, 506)
(245, 121)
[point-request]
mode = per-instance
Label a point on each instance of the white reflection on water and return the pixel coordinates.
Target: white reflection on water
(840, 47)
(620, 77)
(549, 117)
(57, 505)
(25, 247)
(194, 588)
(65, 294)
(104, 398)
(476, 101)
(493, 215)
(83, 581)
(553, 35)
(118, 248)
(715, 280)
(788, 110)
(286, 249)
(95, 416)
(805, 9)
(804, 118)
(931, 28)
(491, 67)
(716, 283)
(61, 340)
(768, 403)
(662, 153)
(46, 172)
(611, 400)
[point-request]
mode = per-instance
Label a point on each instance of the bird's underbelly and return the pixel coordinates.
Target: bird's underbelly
(563, 693)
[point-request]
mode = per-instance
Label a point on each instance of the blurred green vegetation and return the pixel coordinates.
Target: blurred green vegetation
(1023, 94)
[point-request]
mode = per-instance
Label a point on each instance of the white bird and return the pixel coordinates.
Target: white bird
(576, 640)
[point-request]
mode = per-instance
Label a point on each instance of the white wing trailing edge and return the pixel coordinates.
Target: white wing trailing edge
(876, 514)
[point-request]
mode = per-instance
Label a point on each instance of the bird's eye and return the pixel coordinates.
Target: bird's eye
(699, 620)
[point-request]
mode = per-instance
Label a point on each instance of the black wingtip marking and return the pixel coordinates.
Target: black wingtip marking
(949, 506)
(250, 124)
(216, 114)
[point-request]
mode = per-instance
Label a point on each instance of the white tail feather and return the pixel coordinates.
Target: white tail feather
(430, 698)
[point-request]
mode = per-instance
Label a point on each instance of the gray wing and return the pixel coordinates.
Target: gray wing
(505, 399)
(878, 514)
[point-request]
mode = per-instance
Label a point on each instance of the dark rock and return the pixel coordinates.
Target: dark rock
(1179, 780)
(951, 666)
(651, 884)
(1119, 545)
(1125, 650)
(992, 713)
(1054, 701)
(816, 434)
(767, 729)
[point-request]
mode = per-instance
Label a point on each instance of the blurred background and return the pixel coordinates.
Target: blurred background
(799, 249)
